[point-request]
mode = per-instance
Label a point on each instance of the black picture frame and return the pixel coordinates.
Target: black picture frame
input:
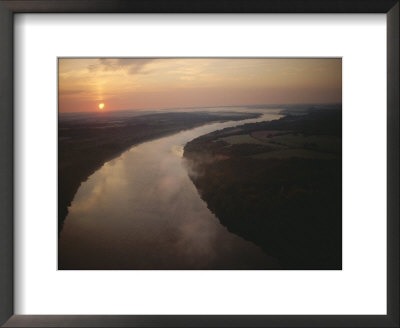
(10, 7)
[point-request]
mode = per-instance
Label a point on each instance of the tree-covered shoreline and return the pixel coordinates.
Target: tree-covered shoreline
(277, 184)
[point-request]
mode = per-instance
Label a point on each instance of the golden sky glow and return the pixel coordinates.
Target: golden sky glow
(122, 83)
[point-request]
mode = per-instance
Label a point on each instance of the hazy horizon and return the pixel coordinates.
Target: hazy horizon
(234, 108)
(117, 84)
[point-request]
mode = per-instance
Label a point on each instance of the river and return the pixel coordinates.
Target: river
(142, 211)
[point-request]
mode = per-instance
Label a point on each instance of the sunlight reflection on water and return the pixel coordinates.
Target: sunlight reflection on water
(141, 211)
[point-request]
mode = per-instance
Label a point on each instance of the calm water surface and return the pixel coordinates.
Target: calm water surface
(141, 211)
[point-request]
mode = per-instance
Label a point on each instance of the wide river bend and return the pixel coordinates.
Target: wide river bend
(142, 211)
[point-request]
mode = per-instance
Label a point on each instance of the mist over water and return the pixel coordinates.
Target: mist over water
(141, 211)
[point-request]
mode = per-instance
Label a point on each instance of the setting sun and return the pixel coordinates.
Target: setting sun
(101, 106)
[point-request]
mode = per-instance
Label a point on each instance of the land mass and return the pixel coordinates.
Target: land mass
(86, 142)
(277, 184)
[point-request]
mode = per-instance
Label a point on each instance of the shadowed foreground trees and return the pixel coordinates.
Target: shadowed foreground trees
(290, 205)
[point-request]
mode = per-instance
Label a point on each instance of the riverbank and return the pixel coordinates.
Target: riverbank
(86, 143)
(277, 184)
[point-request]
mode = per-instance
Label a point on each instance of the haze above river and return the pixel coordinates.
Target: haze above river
(142, 211)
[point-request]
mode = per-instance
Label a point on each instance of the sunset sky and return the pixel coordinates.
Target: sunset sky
(98, 84)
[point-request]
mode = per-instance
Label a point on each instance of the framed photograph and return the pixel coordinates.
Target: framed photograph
(204, 164)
